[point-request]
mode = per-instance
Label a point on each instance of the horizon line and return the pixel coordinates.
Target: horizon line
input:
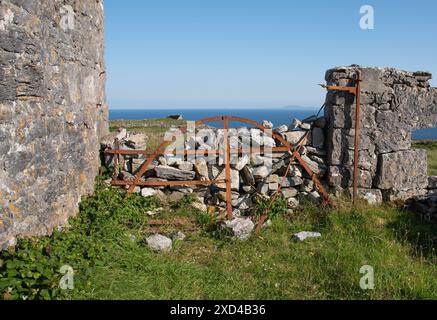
(212, 108)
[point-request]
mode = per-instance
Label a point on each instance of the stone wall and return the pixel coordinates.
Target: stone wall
(394, 104)
(53, 115)
(255, 176)
(52, 111)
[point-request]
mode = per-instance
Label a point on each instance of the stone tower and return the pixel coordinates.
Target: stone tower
(52, 111)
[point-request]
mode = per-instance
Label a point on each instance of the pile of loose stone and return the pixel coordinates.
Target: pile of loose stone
(254, 175)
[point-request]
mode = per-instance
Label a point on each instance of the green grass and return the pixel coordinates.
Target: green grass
(108, 264)
(105, 245)
(145, 124)
(154, 128)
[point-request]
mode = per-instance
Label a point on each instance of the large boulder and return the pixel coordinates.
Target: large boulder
(403, 170)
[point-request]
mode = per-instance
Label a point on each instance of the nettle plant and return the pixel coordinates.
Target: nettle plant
(37, 268)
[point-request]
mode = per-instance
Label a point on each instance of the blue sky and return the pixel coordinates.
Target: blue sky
(254, 53)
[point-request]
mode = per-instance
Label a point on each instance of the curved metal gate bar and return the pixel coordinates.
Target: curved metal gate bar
(287, 147)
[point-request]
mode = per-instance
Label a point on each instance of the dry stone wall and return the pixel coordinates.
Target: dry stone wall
(255, 176)
(394, 104)
(52, 111)
(53, 116)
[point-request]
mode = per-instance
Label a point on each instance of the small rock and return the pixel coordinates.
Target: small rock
(260, 139)
(236, 213)
(170, 173)
(295, 171)
(296, 124)
(317, 168)
(201, 169)
(302, 236)
(127, 176)
(199, 206)
(260, 172)
(154, 212)
(235, 179)
(222, 195)
(175, 196)
(281, 129)
(137, 141)
(244, 203)
(295, 137)
(274, 178)
(162, 161)
(316, 151)
(186, 166)
(178, 236)
(151, 213)
(248, 189)
(305, 126)
(317, 159)
(241, 228)
(293, 203)
(289, 193)
(159, 242)
(273, 186)
(293, 182)
(137, 189)
(242, 162)
(257, 160)
(307, 186)
(247, 176)
(267, 124)
(173, 160)
(122, 134)
(372, 196)
(262, 188)
(148, 192)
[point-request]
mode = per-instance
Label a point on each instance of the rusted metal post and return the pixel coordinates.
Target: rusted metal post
(357, 136)
(228, 168)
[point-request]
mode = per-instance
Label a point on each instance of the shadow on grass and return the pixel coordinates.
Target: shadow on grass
(410, 228)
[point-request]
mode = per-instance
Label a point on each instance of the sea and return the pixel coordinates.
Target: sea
(278, 116)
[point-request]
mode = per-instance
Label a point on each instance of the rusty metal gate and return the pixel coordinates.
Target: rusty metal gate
(293, 150)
